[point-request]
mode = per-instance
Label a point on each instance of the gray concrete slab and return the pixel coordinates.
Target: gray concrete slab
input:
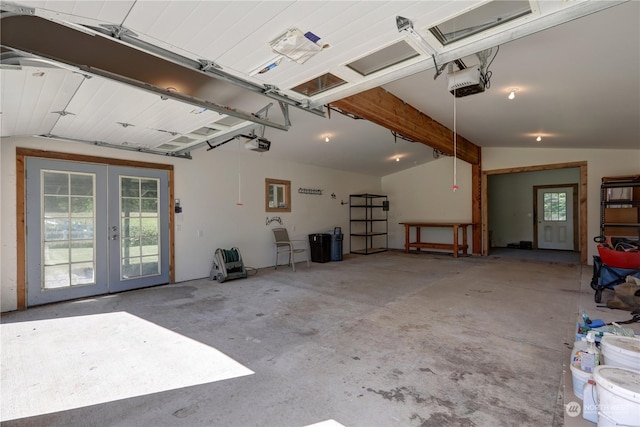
(390, 339)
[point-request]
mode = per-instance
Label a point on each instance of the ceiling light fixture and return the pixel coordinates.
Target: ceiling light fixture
(539, 138)
(397, 159)
(512, 93)
(326, 139)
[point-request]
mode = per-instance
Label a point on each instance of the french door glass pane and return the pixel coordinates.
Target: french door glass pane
(68, 239)
(140, 227)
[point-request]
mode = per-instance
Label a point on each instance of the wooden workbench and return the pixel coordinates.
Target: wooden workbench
(418, 244)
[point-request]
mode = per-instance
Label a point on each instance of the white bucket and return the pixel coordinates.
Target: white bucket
(623, 352)
(579, 378)
(590, 402)
(618, 392)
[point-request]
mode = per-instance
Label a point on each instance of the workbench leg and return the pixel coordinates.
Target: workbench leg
(455, 241)
(418, 239)
(464, 236)
(406, 238)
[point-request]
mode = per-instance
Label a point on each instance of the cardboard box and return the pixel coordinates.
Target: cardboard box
(621, 216)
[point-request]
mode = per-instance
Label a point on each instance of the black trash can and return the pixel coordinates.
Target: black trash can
(336, 244)
(320, 244)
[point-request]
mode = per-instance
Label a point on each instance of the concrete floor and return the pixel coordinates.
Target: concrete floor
(390, 339)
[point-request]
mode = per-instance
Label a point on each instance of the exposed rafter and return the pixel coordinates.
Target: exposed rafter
(381, 107)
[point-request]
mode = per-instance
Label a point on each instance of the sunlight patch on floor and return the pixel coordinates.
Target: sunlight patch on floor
(327, 423)
(60, 364)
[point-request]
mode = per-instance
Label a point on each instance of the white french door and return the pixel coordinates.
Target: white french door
(94, 229)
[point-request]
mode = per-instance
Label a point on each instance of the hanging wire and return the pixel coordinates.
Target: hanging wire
(454, 187)
(239, 203)
(455, 146)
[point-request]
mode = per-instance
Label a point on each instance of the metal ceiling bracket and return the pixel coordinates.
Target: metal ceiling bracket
(118, 31)
(270, 89)
(63, 113)
(206, 65)
(285, 112)
(403, 23)
(439, 70)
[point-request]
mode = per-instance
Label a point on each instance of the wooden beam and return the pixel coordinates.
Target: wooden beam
(387, 110)
(476, 208)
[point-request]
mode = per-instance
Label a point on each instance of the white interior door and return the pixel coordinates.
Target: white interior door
(555, 218)
(94, 229)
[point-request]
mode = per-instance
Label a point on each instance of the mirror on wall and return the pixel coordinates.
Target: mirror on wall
(277, 195)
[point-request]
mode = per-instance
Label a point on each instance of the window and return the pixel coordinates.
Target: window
(319, 84)
(277, 195)
(555, 206)
(384, 58)
(489, 15)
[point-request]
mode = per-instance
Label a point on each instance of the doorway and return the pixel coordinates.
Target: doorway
(582, 201)
(94, 229)
(555, 217)
(92, 226)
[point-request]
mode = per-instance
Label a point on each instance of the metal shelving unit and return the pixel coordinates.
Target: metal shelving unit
(368, 223)
(620, 207)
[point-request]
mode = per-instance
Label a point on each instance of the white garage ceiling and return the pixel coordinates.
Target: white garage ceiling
(576, 65)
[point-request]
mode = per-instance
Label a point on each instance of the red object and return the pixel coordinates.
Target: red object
(619, 259)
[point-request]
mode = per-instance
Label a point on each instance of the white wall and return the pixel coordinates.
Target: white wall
(424, 193)
(510, 198)
(600, 163)
(207, 187)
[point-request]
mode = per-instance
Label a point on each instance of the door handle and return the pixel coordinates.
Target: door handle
(114, 237)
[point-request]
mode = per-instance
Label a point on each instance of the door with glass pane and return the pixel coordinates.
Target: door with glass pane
(94, 229)
(555, 222)
(138, 228)
(66, 246)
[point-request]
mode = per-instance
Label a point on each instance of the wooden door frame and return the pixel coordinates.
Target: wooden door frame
(574, 188)
(582, 233)
(21, 207)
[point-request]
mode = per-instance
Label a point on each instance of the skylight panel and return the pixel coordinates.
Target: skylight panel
(318, 85)
(384, 58)
(489, 15)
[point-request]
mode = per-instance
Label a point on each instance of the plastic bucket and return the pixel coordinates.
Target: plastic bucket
(579, 378)
(618, 392)
(623, 352)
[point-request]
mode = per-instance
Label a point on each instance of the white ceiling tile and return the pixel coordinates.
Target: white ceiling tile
(28, 98)
(100, 105)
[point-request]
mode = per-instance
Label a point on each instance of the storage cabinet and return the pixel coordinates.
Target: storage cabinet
(368, 223)
(620, 207)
